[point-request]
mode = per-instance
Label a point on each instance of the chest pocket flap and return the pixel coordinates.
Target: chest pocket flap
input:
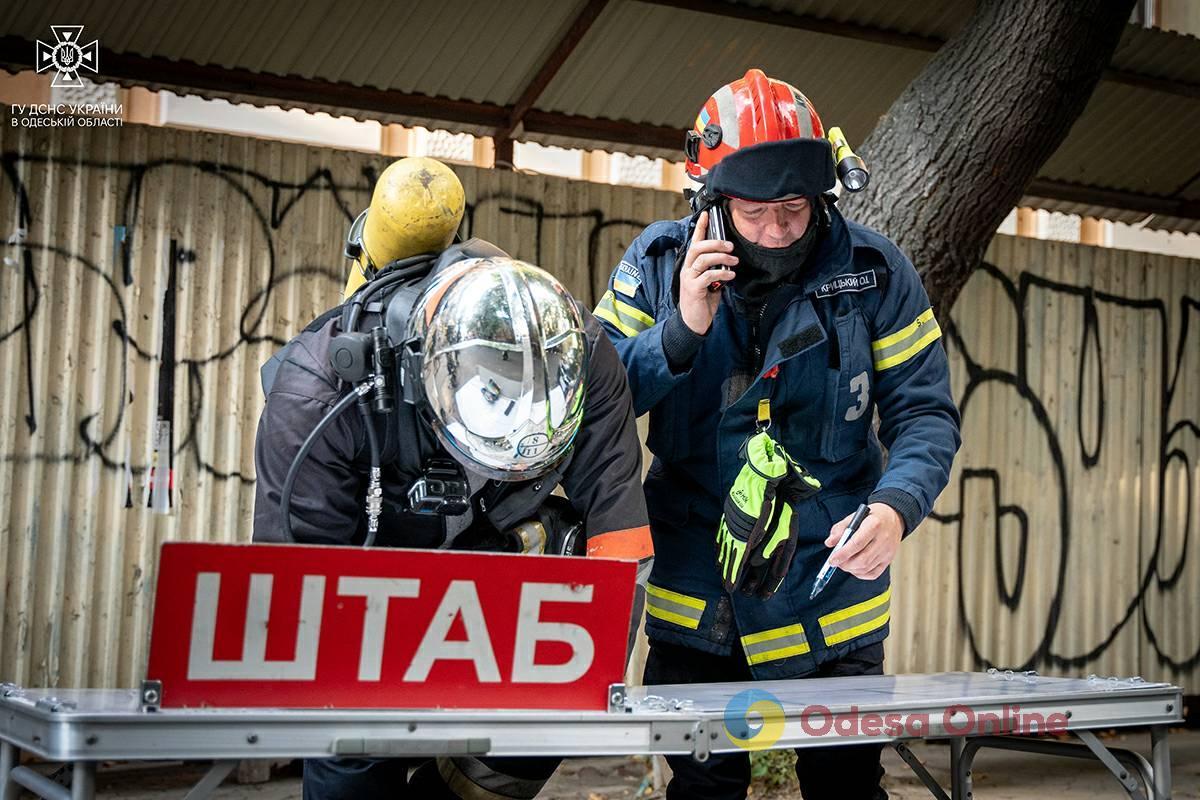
(849, 388)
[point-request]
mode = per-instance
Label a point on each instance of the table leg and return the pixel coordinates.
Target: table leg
(212, 779)
(1110, 761)
(919, 770)
(83, 780)
(960, 771)
(1160, 760)
(9, 756)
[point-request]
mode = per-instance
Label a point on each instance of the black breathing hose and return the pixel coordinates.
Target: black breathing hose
(397, 271)
(285, 498)
(374, 491)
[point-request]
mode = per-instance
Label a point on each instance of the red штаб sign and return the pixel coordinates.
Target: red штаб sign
(290, 626)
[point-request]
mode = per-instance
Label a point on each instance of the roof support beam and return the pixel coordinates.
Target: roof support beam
(1139, 81)
(805, 22)
(574, 35)
(604, 130)
(1095, 196)
(341, 98)
(17, 53)
(864, 33)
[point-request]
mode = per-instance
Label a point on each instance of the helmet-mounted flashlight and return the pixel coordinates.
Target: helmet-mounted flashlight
(851, 170)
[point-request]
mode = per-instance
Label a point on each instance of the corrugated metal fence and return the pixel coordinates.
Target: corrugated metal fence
(148, 273)
(1062, 542)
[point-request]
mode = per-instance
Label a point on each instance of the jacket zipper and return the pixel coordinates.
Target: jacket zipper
(754, 329)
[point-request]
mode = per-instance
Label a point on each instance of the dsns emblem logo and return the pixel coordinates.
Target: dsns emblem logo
(754, 719)
(67, 56)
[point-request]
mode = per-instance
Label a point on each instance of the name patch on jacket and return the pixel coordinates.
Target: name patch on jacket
(851, 282)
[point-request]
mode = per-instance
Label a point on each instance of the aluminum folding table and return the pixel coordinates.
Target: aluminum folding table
(84, 727)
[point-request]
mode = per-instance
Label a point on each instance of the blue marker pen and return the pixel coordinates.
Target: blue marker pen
(826, 570)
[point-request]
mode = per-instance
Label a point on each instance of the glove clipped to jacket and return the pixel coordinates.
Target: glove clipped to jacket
(758, 533)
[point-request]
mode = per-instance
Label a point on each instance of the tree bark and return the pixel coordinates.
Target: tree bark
(956, 150)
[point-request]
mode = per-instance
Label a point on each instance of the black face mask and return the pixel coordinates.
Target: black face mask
(760, 269)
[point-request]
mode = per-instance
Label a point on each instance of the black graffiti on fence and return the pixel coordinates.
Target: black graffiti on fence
(249, 185)
(1010, 588)
(283, 198)
(532, 208)
(29, 289)
(250, 319)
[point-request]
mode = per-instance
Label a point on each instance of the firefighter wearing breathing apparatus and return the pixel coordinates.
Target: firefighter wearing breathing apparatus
(762, 333)
(438, 407)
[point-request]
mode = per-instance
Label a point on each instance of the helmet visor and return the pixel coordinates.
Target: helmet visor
(503, 369)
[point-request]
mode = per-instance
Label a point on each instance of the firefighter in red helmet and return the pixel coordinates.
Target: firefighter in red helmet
(762, 334)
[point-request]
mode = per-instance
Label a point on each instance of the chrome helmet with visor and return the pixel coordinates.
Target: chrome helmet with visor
(503, 363)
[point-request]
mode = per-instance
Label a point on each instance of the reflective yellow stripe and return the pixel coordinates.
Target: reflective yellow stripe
(671, 616)
(628, 319)
(682, 599)
(898, 359)
(858, 630)
(626, 310)
(856, 609)
(774, 655)
(674, 607)
(907, 330)
(774, 633)
(899, 347)
(858, 619)
(789, 640)
(611, 318)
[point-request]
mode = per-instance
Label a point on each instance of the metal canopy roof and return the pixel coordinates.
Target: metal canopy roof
(630, 74)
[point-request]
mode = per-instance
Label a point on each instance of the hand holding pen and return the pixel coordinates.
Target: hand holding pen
(827, 569)
(873, 544)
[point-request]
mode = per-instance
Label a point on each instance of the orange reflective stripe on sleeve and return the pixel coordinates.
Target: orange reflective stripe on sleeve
(631, 543)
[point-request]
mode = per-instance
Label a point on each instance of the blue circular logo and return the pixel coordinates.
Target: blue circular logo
(754, 719)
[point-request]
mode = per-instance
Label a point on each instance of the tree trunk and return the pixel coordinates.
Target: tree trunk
(956, 150)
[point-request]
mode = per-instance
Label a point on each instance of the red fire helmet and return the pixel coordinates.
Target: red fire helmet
(767, 138)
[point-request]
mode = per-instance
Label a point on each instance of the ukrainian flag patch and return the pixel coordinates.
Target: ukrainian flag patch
(627, 280)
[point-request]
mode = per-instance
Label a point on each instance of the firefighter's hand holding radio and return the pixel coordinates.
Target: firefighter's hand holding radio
(709, 261)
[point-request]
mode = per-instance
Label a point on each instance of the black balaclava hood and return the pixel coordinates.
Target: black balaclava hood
(760, 269)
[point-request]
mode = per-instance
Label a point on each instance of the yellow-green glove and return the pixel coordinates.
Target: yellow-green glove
(757, 535)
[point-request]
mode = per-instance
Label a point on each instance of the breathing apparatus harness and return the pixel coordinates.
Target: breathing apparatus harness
(367, 362)
(372, 363)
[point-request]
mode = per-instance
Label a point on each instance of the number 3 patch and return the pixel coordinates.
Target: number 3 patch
(861, 388)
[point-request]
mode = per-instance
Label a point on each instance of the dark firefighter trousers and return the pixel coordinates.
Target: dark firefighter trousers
(850, 772)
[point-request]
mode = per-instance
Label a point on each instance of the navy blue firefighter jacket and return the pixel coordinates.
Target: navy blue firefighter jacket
(854, 334)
